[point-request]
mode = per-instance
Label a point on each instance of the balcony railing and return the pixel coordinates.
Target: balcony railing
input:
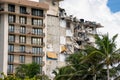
(31, 45)
(20, 14)
(25, 13)
(27, 25)
(42, 63)
(27, 53)
(26, 33)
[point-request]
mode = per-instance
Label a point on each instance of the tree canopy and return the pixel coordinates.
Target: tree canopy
(94, 63)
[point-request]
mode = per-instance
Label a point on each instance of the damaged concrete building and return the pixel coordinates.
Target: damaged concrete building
(65, 35)
(46, 35)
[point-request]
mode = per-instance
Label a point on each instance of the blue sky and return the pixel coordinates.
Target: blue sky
(114, 5)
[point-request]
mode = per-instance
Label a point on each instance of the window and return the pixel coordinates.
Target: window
(1, 7)
(11, 28)
(37, 50)
(69, 33)
(23, 10)
(37, 31)
(62, 40)
(10, 58)
(37, 12)
(37, 22)
(23, 20)
(10, 48)
(62, 23)
(36, 41)
(37, 60)
(10, 68)
(22, 59)
(68, 25)
(11, 8)
(22, 39)
(22, 48)
(22, 29)
(11, 18)
(11, 38)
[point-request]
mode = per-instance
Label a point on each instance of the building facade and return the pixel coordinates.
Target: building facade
(40, 32)
(22, 34)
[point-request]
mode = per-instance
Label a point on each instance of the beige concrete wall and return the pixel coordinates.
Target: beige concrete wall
(53, 39)
(53, 9)
(51, 65)
(62, 31)
(28, 59)
(16, 48)
(16, 59)
(53, 33)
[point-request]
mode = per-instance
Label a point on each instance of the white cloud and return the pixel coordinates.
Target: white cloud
(95, 10)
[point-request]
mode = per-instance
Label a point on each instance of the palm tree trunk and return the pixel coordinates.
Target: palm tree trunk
(108, 73)
(94, 77)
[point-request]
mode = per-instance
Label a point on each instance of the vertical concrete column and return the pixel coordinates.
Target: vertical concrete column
(29, 20)
(3, 43)
(45, 40)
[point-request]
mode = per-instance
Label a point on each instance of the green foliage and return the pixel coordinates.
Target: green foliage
(13, 77)
(92, 63)
(29, 70)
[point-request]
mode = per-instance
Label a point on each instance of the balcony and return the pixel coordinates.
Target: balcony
(42, 63)
(27, 25)
(28, 34)
(14, 63)
(27, 54)
(21, 14)
(36, 35)
(31, 45)
(25, 13)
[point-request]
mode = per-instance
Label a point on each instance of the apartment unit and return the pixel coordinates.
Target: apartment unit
(22, 34)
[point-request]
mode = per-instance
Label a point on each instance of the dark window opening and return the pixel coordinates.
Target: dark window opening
(11, 7)
(23, 10)
(37, 12)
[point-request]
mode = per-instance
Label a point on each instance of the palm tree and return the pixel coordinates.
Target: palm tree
(78, 70)
(106, 49)
(72, 70)
(90, 64)
(94, 59)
